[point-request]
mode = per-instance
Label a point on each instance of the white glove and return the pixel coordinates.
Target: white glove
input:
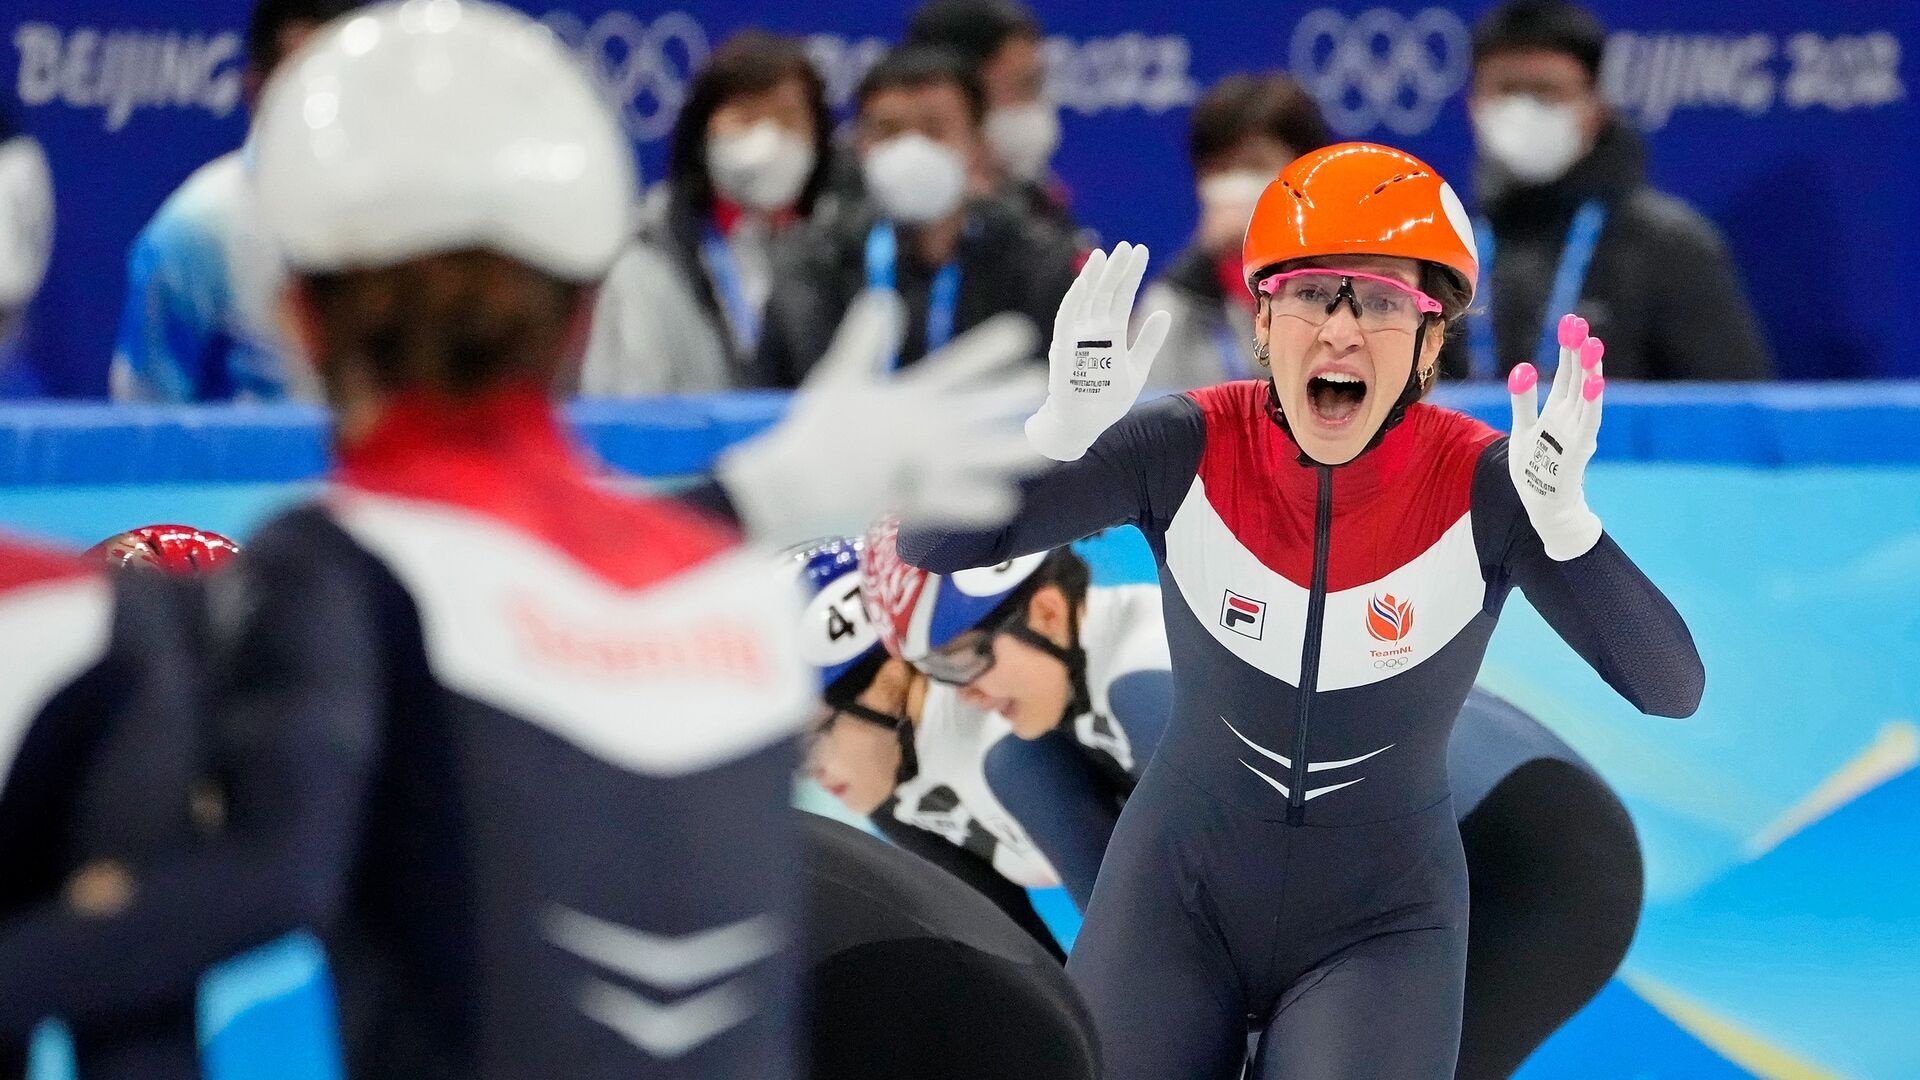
(936, 444)
(1093, 378)
(1548, 454)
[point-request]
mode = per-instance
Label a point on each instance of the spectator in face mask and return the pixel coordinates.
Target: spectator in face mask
(956, 260)
(1242, 133)
(1002, 42)
(26, 229)
(681, 311)
(1567, 221)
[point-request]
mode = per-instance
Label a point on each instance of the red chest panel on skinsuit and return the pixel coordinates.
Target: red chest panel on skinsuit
(1389, 505)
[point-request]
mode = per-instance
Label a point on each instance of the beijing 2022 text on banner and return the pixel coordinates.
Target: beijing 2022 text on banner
(1792, 125)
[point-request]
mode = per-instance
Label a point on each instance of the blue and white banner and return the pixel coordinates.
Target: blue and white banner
(1792, 125)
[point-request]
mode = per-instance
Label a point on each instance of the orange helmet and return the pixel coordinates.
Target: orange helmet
(1360, 199)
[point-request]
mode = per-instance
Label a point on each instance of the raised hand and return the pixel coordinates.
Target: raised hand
(938, 444)
(1550, 448)
(1093, 375)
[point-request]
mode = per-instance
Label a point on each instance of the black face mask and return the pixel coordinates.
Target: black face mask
(1408, 395)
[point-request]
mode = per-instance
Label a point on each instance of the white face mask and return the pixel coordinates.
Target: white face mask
(1024, 138)
(1226, 205)
(1535, 141)
(761, 168)
(1238, 191)
(914, 178)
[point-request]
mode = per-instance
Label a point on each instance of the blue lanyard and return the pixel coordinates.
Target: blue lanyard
(1233, 357)
(883, 253)
(1576, 255)
(742, 319)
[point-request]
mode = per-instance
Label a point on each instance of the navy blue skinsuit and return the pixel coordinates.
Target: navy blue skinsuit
(1067, 799)
(1552, 857)
(451, 708)
(1553, 862)
(1066, 788)
(98, 752)
(1292, 853)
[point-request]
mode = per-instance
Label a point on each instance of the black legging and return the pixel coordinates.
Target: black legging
(913, 975)
(1556, 878)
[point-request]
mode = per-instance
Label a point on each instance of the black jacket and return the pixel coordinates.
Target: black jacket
(102, 766)
(1662, 290)
(1008, 262)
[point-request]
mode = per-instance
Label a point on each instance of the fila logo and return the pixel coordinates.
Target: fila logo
(1243, 615)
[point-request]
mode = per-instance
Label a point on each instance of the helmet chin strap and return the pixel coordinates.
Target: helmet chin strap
(901, 727)
(1073, 656)
(909, 757)
(1408, 395)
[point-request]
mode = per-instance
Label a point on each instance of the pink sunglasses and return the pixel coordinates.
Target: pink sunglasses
(1427, 305)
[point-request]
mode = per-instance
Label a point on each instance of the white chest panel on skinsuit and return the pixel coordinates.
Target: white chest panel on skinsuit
(949, 796)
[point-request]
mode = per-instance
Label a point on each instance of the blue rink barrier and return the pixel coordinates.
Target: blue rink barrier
(1784, 522)
(88, 444)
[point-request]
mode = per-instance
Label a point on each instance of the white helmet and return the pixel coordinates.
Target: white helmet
(438, 125)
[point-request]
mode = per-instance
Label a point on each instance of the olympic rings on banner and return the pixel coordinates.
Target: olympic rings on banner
(1381, 67)
(642, 67)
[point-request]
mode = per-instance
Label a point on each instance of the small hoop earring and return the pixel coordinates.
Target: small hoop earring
(1261, 354)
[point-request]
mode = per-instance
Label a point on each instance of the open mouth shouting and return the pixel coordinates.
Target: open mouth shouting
(1335, 396)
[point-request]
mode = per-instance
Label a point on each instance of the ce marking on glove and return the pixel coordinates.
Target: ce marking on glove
(1083, 357)
(1092, 365)
(1543, 469)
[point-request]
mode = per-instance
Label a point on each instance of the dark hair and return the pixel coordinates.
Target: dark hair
(973, 30)
(1274, 105)
(855, 680)
(459, 322)
(1553, 25)
(749, 62)
(1063, 568)
(271, 18)
(914, 67)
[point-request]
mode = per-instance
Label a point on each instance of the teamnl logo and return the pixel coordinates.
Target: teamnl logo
(121, 71)
(1389, 621)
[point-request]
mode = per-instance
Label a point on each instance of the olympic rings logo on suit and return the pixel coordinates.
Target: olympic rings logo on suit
(1381, 67)
(642, 67)
(1392, 663)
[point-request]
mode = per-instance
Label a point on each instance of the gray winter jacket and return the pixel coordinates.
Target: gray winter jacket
(1211, 338)
(658, 326)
